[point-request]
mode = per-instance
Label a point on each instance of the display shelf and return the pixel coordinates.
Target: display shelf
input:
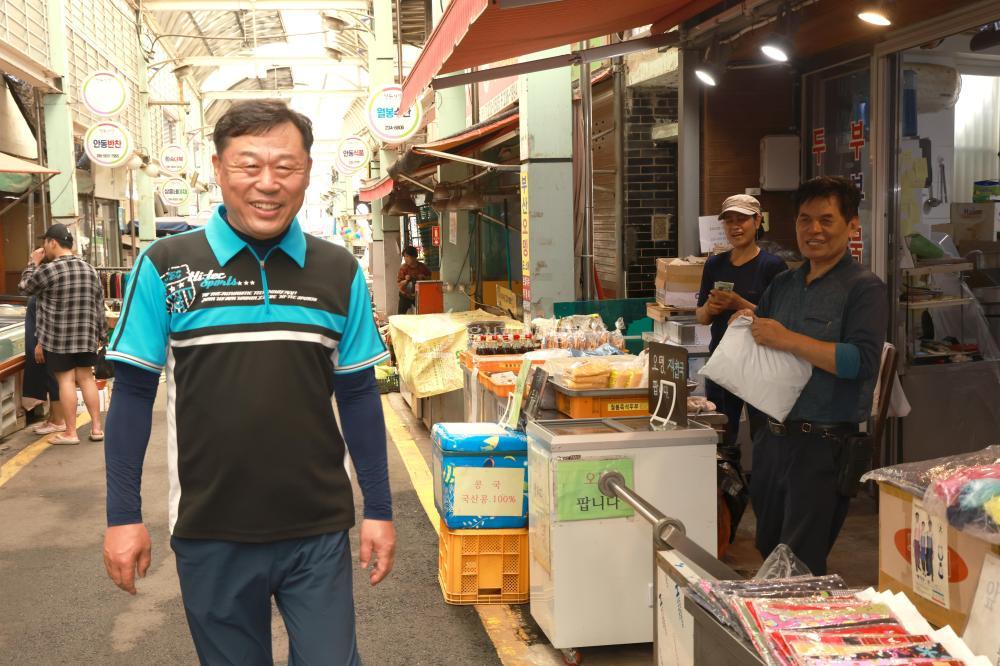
(937, 303)
(934, 269)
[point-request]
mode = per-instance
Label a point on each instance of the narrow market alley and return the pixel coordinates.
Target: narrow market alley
(59, 607)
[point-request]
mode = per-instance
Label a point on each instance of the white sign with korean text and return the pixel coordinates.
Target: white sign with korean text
(173, 158)
(383, 115)
(108, 144)
(712, 234)
(489, 491)
(104, 93)
(352, 155)
(453, 227)
(175, 191)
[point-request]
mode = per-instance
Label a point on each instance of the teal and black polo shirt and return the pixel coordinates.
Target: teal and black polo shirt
(250, 345)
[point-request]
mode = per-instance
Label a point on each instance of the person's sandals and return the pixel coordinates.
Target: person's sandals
(99, 437)
(63, 440)
(48, 428)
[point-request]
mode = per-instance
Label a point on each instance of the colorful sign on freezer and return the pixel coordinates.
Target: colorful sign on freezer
(352, 155)
(383, 115)
(104, 93)
(108, 144)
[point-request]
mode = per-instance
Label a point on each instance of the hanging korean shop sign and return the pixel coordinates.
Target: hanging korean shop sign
(175, 191)
(104, 93)
(173, 158)
(108, 144)
(352, 155)
(383, 119)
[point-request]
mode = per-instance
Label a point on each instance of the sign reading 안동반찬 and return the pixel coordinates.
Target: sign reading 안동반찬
(384, 119)
(175, 191)
(108, 144)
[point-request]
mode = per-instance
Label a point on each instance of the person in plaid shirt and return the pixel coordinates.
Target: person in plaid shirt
(71, 324)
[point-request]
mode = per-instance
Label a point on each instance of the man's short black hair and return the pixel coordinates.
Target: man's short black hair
(410, 251)
(823, 187)
(257, 117)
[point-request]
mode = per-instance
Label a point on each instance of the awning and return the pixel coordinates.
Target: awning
(414, 163)
(11, 164)
(473, 33)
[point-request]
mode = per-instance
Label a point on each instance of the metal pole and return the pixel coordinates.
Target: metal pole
(587, 165)
(41, 160)
(668, 533)
(619, 120)
(399, 42)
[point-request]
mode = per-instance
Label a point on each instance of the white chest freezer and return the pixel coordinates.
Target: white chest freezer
(591, 569)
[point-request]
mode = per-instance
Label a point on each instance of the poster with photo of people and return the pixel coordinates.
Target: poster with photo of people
(929, 547)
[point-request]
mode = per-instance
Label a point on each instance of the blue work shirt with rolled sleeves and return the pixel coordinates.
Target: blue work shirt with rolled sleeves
(846, 306)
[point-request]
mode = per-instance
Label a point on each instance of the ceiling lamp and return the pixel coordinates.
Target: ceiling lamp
(708, 74)
(402, 203)
(776, 47)
(876, 12)
(470, 200)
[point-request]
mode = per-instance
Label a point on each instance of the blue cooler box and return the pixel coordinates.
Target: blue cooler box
(480, 475)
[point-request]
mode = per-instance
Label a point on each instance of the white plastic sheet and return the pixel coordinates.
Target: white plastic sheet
(768, 379)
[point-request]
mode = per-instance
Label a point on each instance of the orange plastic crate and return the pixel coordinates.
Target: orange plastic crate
(487, 566)
(586, 407)
(499, 390)
(491, 364)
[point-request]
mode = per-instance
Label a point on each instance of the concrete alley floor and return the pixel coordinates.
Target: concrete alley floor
(57, 605)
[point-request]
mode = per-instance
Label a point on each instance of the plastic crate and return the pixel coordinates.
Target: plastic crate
(586, 407)
(499, 390)
(483, 566)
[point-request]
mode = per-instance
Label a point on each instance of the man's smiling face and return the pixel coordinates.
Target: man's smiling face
(263, 178)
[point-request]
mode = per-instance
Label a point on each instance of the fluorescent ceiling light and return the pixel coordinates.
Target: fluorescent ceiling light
(875, 13)
(707, 74)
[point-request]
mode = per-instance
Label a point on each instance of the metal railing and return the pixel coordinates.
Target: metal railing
(668, 533)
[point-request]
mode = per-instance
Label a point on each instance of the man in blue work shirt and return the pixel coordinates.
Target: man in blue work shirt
(256, 325)
(833, 313)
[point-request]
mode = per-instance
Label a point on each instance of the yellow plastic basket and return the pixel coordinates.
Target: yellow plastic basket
(488, 566)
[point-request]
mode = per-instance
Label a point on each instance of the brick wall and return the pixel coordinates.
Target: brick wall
(650, 184)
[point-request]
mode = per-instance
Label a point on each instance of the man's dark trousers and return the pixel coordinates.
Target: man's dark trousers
(793, 488)
(227, 589)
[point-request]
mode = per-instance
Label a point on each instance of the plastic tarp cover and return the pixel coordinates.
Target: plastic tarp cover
(427, 348)
(916, 477)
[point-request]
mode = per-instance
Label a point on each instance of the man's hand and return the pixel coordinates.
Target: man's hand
(38, 256)
(39, 354)
(378, 536)
(771, 333)
(726, 300)
(127, 550)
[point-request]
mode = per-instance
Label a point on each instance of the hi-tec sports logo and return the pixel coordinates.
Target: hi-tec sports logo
(182, 285)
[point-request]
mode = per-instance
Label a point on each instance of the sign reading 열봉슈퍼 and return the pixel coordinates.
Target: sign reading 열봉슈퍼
(352, 155)
(173, 158)
(384, 119)
(104, 93)
(175, 191)
(108, 144)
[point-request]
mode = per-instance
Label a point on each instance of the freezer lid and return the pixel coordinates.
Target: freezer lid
(598, 434)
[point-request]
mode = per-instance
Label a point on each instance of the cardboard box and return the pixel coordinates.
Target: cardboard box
(965, 561)
(677, 281)
(990, 250)
(975, 221)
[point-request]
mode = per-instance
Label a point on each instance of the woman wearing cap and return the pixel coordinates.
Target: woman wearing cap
(732, 281)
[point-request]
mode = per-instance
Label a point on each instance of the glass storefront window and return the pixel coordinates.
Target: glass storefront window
(836, 137)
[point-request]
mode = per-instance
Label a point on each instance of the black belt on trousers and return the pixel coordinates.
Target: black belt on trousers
(809, 428)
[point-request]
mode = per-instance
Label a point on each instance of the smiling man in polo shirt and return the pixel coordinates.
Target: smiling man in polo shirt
(256, 324)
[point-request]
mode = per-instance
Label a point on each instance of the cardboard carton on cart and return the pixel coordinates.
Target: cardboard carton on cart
(678, 281)
(965, 560)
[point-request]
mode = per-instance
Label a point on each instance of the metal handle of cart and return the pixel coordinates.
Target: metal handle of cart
(668, 533)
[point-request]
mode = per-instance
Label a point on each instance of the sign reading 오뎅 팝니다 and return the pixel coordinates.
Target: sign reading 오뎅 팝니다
(173, 158)
(175, 191)
(578, 496)
(383, 115)
(352, 155)
(108, 144)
